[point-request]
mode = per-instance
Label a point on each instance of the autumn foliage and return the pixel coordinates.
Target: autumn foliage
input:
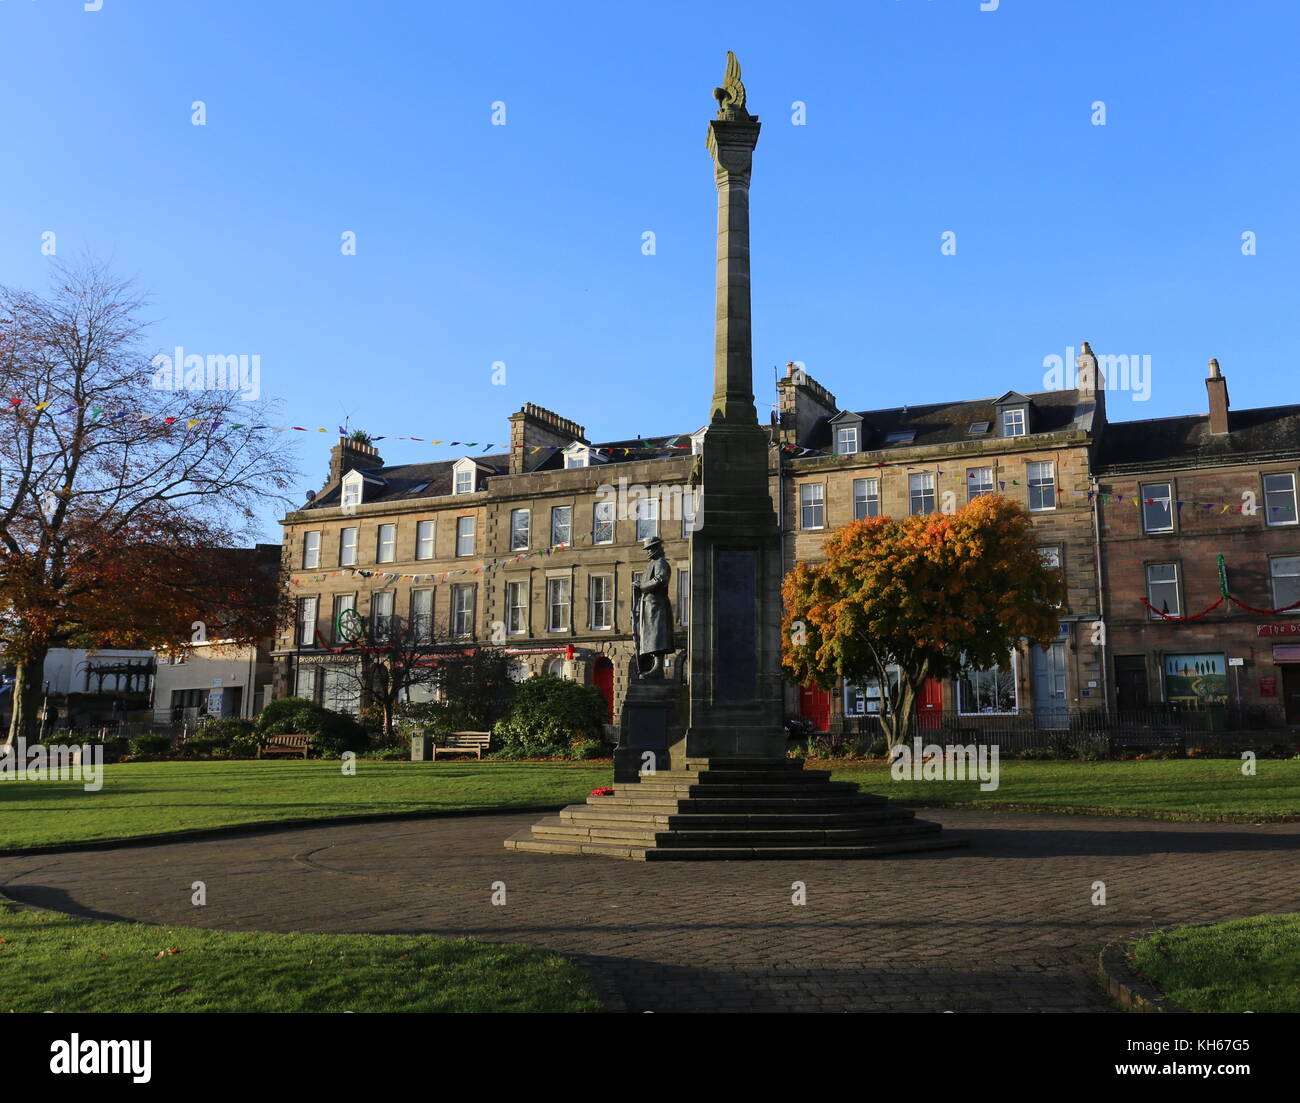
(928, 594)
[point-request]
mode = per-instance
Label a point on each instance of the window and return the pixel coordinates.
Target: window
(812, 506)
(462, 611)
(304, 683)
(602, 601)
(422, 615)
(978, 428)
(465, 535)
(351, 491)
(561, 525)
(520, 523)
(342, 604)
(866, 498)
(602, 523)
(347, 547)
(577, 455)
(306, 621)
(683, 598)
(1051, 556)
(340, 691)
(690, 503)
(1157, 507)
(647, 518)
(387, 544)
(1042, 486)
(424, 540)
(1279, 499)
(1013, 422)
(557, 604)
(865, 699)
(846, 439)
(920, 492)
(311, 549)
(988, 691)
(901, 436)
(1284, 570)
(381, 614)
(1162, 589)
(979, 481)
(517, 608)
(464, 482)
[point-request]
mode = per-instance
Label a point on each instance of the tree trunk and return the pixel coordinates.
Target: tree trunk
(27, 699)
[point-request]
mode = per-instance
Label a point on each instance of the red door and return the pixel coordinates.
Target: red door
(929, 709)
(602, 675)
(815, 705)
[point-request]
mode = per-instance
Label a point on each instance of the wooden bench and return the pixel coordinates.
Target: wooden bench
(474, 743)
(285, 745)
(1148, 738)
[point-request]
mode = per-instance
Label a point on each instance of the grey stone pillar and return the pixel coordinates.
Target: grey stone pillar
(736, 706)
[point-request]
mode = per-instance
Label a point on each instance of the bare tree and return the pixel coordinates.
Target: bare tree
(393, 655)
(115, 493)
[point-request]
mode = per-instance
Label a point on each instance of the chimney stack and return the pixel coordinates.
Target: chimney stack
(349, 455)
(1091, 383)
(1217, 387)
(534, 425)
(801, 401)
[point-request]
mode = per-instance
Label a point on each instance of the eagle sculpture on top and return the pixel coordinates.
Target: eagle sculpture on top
(731, 96)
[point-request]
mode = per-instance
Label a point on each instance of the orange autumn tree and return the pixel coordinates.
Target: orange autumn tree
(929, 594)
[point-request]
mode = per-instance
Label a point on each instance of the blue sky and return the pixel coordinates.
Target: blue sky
(522, 243)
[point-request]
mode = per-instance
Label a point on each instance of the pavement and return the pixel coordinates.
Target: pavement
(1009, 924)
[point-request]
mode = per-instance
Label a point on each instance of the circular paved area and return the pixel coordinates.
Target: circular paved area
(1007, 925)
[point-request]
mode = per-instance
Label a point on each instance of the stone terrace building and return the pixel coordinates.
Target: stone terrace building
(1034, 449)
(528, 550)
(1176, 493)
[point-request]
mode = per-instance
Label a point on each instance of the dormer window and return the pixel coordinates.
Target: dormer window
(697, 441)
(464, 477)
(846, 433)
(1013, 414)
(577, 454)
(351, 493)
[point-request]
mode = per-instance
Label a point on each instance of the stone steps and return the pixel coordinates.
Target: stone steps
(741, 805)
(585, 813)
(525, 841)
(733, 809)
(555, 828)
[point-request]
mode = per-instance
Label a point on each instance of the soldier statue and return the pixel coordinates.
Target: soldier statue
(652, 630)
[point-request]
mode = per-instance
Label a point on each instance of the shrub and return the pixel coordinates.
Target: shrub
(151, 743)
(222, 729)
(332, 732)
(553, 712)
(512, 744)
(590, 749)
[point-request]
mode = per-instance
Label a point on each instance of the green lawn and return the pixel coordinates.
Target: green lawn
(53, 962)
(149, 797)
(1244, 965)
(1196, 788)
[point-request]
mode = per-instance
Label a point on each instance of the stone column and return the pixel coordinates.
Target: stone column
(736, 708)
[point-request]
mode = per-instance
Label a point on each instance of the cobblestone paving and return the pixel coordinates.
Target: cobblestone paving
(1008, 925)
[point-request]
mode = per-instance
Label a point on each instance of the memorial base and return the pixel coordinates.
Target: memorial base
(723, 809)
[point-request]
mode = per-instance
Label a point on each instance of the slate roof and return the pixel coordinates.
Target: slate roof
(1271, 432)
(950, 422)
